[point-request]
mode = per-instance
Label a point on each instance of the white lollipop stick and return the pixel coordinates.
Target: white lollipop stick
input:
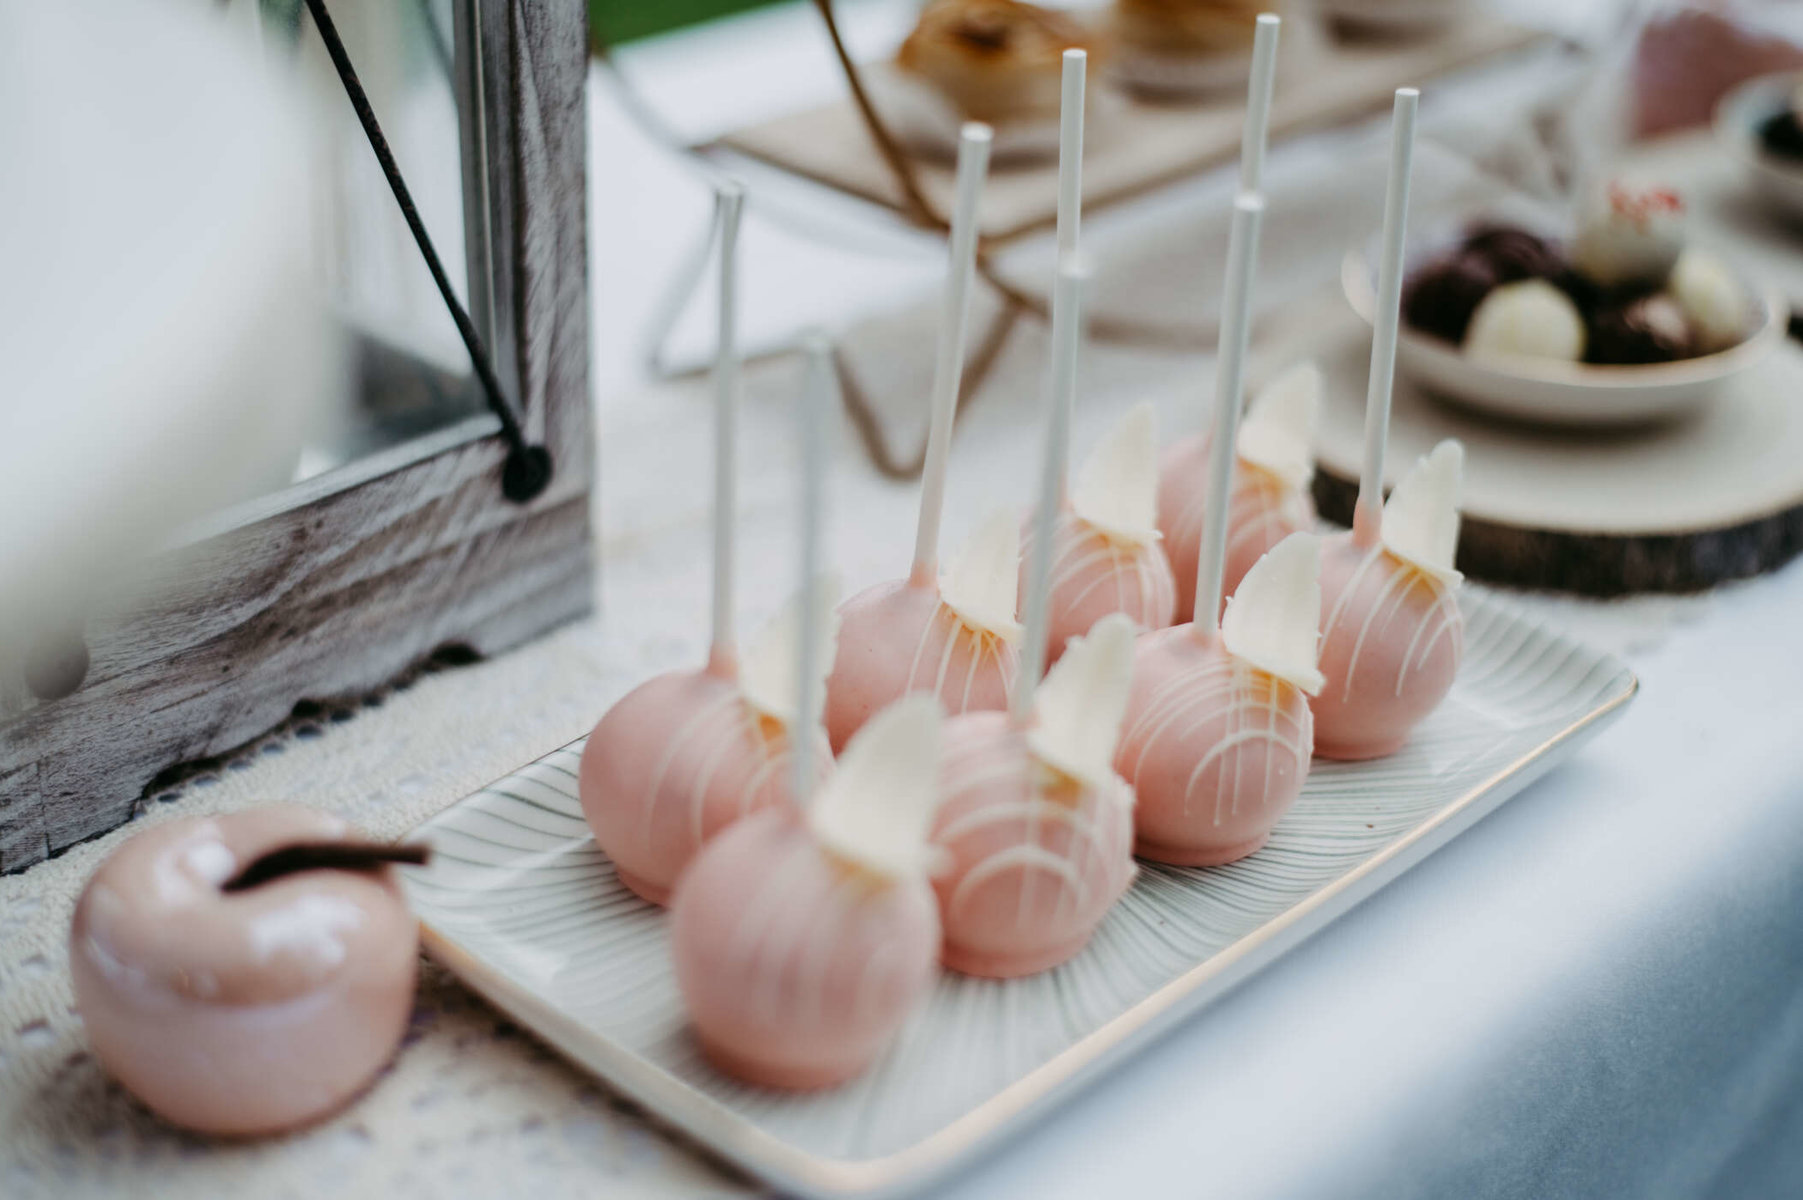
(1070, 203)
(816, 399)
(1067, 340)
(948, 367)
(1070, 152)
(1367, 515)
(1230, 388)
(729, 200)
(1258, 102)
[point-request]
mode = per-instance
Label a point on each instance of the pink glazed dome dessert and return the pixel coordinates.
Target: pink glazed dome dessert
(953, 638)
(243, 1011)
(1392, 634)
(1218, 731)
(1035, 827)
(685, 754)
(1274, 464)
(1107, 556)
(802, 942)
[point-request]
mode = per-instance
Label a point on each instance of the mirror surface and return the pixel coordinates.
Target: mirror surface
(407, 373)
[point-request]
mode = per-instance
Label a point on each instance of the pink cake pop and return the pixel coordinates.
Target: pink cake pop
(802, 941)
(1036, 827)
(1267, 505)
(1106, 553)
(954, 637)
(244, 1009)
(1393, 634)
(1107, 556)
(1218, 732)
(1270, 498)
(688, 752)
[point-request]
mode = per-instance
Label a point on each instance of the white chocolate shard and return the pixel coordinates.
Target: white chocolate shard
(1117, 487)
(1079, 708)
(982, 581)
(767, 676)
(876, 809)
(1273, 620)
(1421, 518)
(1278, 433)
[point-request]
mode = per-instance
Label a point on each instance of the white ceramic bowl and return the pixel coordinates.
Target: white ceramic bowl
(1562, 393)
(1737, 121)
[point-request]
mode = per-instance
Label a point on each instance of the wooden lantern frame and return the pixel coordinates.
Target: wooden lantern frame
(344, 582)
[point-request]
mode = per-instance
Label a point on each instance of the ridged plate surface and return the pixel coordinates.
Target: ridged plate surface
(521, 904)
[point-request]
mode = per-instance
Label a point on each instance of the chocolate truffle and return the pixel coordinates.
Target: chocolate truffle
(1781, 135)
(1782, 132)
(1440, 296)
(1651, 329)
(1513, 254)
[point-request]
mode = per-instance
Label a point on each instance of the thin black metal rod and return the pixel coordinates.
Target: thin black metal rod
(529, 469)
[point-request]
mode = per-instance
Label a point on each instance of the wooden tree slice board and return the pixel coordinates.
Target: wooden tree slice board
(1131, 146)
(1673, 507)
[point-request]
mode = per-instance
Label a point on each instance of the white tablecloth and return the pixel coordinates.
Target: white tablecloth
(1598, 991)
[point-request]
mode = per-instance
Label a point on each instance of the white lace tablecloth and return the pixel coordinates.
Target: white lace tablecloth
(472, 1106)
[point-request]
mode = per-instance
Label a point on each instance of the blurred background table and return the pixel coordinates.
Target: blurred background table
(1598, 991)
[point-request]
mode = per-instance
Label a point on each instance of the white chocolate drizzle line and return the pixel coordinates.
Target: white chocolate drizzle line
(716, 729)
(980, 648)
(1095, 823)
(1079, 548)
(1217, 689)
(1437, 620)
(786, 960)
(1264, 512)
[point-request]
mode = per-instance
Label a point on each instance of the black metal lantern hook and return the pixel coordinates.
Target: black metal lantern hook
(529, 467)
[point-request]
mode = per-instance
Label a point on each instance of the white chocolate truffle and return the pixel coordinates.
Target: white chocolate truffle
(1629, 234)
(1529, 319)
(1713, 300)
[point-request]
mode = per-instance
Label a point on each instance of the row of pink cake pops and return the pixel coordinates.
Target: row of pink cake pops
(805, 932)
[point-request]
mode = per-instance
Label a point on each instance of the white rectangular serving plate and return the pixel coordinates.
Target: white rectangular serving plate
(520, 904)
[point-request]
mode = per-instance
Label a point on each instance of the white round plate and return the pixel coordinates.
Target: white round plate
(1561, 393)
(1737, 121)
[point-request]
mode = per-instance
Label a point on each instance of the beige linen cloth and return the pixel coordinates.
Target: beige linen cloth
(473, 1105)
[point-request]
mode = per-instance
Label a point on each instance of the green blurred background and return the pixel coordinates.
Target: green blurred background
(614, 21)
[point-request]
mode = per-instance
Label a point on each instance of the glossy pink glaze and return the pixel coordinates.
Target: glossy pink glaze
(1033, 860)
(242, 1013)
(678, 759)
(900, 637)
(1263, 511)
(1215, 749)
(1094, 575)
(797, 968)
(1392, 636)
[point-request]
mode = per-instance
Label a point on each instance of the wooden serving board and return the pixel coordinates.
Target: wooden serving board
(1673, 507)
(1133, 146)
